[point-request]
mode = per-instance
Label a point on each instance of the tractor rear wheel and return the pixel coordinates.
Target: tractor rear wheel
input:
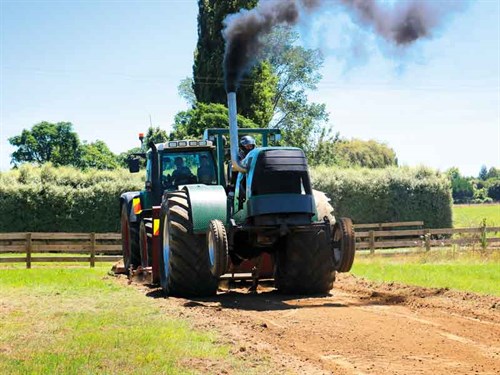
(185, 268)
(130, 240)
(304, 265)
(344, 247)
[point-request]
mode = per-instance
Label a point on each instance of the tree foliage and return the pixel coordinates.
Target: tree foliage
(483, 173)
(462, 188)
(59, 145)
(192, 123)
(369, 154)
(493, 173)
(155, 135)
(208, 76)
(96, 155)
(493, 187)
(46, 142)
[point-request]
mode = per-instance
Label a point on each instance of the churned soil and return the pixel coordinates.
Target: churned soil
(361, 327)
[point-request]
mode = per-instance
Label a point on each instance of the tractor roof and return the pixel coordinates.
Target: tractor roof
(183, 144)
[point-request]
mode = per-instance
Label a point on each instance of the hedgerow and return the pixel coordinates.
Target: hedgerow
(387, 195)
(65, 199)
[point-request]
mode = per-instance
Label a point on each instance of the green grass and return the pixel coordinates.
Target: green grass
(81, 321)
(438, 269)
(472, 215)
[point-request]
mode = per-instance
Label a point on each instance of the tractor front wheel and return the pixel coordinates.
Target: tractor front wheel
(185, 268)
(304, 264)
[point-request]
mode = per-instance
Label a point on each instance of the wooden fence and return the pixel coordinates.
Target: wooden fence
(106, 247)
(381, 226)
(87, 247)
(426, 238)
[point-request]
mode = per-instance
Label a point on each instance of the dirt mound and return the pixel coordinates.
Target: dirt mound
(465, 303)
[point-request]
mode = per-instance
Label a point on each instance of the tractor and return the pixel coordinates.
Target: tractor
(202, 217)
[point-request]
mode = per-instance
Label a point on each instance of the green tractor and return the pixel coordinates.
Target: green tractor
(195, 222)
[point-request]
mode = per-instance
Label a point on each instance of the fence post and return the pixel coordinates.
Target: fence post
(28, 250)
(92, 249)
(372, 242)
(427, 238)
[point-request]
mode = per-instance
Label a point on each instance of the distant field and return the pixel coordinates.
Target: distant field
(438, 269)
(81, 321)
(465, 215)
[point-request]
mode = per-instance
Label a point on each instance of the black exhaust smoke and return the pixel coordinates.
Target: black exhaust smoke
(243, 32)
(401, 24)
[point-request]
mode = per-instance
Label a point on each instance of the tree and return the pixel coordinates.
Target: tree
(192, 123)
(462, 188)
(493, 173)
(369, 154)
(155, 135)
(186, 91)
(96, 155)
(493, 187)
(208, 76)
(296, 69)
(47, 142)
(483, 173)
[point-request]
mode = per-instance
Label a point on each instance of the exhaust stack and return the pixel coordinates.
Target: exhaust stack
(233, 133)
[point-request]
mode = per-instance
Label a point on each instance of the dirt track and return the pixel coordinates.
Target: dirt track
(361, 328)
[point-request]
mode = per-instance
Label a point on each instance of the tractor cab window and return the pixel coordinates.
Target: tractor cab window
(187, 167)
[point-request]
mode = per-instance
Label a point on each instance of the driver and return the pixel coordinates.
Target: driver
(205, 173)
(181, 174)
(247, 144)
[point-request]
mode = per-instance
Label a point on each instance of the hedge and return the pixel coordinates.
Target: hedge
(387, 195)
(49, 199)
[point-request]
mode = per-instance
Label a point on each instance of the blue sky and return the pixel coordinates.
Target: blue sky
(107, 65)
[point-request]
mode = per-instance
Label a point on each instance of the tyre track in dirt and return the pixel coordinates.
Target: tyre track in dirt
(360, 328)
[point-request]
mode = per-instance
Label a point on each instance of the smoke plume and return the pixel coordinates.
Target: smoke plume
(401, 24)
(243, 32)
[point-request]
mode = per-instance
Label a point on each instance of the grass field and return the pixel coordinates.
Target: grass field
(81, 321)
(472, 215)
(439, 268)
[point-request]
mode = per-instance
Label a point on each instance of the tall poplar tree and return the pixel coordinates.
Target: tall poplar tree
(257, 89)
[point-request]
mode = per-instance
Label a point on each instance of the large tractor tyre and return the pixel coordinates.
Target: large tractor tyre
(323, 206)
(304, 265)
(344, 244)
(130, 240)
(145, 236)
(185, 268)
(217, 245)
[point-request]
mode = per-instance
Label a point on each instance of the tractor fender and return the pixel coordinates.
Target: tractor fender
(128, 198)
(207, 202)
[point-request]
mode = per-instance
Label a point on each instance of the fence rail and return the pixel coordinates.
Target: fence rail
(426, 238)
(398, 224)
(92, 247)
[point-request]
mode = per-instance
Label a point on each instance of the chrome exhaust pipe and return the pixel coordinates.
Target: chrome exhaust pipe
(233, 133)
